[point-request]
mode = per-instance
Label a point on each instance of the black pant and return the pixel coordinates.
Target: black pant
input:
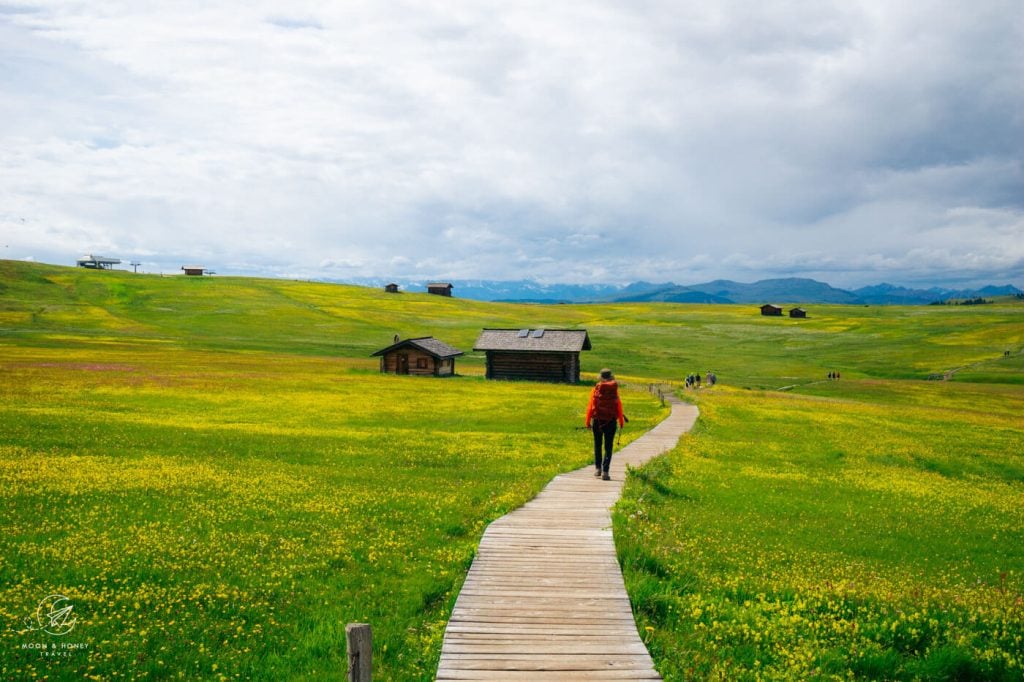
(603, 431)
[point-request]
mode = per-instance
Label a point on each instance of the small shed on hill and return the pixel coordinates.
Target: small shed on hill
(391, 288)
(193, 270)
(797, 312)
(423, 356)
(771, 310)
(439, 288)
(533, 354)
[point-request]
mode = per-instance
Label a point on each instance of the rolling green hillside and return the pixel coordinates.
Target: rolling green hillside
(215, 473)
(40, 304)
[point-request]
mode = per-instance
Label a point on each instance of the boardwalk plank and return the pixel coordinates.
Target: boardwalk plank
(510, 675)
(559, 649)
(547, 629)
(551, 662)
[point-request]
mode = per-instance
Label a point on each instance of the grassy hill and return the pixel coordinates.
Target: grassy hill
(214, 471)
(647, 341)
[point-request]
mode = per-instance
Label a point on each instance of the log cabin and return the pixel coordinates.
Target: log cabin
(423, 356)
(771, 310)
(533, 354)
(439, 288)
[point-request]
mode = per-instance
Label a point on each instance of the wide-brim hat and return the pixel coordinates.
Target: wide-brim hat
(607, 374)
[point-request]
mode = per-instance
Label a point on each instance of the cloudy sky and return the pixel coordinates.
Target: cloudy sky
(591, 141)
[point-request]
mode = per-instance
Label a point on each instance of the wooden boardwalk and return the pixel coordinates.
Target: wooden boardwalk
(544, 598)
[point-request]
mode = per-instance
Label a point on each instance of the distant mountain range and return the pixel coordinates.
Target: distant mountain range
(797, 290)
(787, 290)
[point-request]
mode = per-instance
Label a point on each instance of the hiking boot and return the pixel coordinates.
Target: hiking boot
(605, 477)
(597, 474)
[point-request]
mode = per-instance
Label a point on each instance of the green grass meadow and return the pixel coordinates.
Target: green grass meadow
(217, 476)
(827, 536)
(217, 513)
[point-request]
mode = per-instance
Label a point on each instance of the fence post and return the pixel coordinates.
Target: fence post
(359, 639)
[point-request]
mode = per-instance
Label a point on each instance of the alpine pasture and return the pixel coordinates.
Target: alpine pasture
(215, 473)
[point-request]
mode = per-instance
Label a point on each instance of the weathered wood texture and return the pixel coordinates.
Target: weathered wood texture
(359, 644)
(544, 598)
(533, 366)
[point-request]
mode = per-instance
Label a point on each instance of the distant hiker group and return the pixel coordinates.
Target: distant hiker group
(833, 375)
(693, 380)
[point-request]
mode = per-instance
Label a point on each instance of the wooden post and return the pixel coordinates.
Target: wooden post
(359, 639)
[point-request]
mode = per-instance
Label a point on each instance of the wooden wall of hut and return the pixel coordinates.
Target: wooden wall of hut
(533, 366)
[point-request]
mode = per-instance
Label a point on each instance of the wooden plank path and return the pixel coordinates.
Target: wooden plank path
(544, 598)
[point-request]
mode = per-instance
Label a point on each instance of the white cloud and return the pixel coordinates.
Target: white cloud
(582, 141)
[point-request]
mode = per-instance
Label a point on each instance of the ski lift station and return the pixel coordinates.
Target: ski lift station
(97, 262)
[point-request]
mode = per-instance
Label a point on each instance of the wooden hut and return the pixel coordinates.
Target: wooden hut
(771, 310)
(193, 270)
(423, 356)
(391, 288)
(533, 354)
(439, 288)
(797, 312)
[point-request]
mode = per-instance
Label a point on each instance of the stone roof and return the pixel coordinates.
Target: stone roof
(427, 344)
(536, 340)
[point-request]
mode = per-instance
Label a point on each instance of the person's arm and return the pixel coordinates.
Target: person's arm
(590, 406)
(621, 415)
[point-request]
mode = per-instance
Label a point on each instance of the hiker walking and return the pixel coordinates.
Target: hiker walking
(604, 412)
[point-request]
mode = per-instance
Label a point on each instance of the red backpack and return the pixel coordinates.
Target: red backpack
(606, 401)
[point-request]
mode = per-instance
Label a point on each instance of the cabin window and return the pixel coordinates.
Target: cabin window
(421, 363)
